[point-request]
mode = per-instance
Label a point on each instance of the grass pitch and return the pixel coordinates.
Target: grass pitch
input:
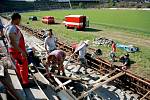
(123, 26)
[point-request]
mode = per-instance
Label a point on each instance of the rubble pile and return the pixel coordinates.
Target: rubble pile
(103, 41)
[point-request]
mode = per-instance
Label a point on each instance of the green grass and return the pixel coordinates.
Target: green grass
(126, 19)
(123, 26)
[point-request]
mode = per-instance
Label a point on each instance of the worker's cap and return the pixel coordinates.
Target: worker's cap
(127, 55)
(87, 42)
(111, 51)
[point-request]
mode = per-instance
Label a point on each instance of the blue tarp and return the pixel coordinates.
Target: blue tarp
(128, 48)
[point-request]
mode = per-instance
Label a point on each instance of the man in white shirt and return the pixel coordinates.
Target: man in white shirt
(50, 42)
(82, 53)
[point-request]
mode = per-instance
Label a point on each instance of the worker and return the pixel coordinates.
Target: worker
(125, 61)
(113, 46)
(56, 59)
(82, 53)
(16, 48)
(112, 56)
(32, 58)
(50, 42)
(44, 33)
(2, 36)
(1, 28)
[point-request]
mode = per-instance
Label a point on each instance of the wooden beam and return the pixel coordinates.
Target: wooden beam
(82, 76)
(100, 84)
(36, 92)
(3, 95)
(42, 48)
(46, 81)
(46, 86)
(61, 85)
(70, 78)
(14, 83)
(103, 77)
(1, 71)
(70, 93)
(63, 95)
(145, 95)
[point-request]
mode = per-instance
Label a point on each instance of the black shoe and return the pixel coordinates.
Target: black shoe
(58, 73)
(86, 72)
(78, 72)
(52, 70)
(30, 85)
(63, 74)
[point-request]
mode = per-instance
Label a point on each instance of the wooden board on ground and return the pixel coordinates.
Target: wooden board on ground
(1, 71)
(102, 83)
(3, 95)
(65, 96)
(34, 92)
(46, 87)
(12, 83)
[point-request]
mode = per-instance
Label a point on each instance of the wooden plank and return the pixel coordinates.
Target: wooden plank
(43, 80)
(83, 76)
(42, 47)
(63, 95)
(3, 95)
(15, 83)
(32, 44)
(59, 82)
(46, 86)
(63, 84)
(103, 77)
(1, 71)
(100, 84)
(70, 78)
(70, 93)
(34, 93)
(145, 95)
(3, 48)
(36, 47)
(38, 90)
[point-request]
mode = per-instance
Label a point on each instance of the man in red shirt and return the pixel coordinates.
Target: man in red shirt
(113, 46)
(16, 48)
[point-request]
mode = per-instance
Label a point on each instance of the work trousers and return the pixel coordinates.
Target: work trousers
(21, 66)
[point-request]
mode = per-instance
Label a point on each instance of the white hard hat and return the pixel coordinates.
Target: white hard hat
(87, 41)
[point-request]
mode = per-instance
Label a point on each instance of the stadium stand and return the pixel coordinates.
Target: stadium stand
(11, 6)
